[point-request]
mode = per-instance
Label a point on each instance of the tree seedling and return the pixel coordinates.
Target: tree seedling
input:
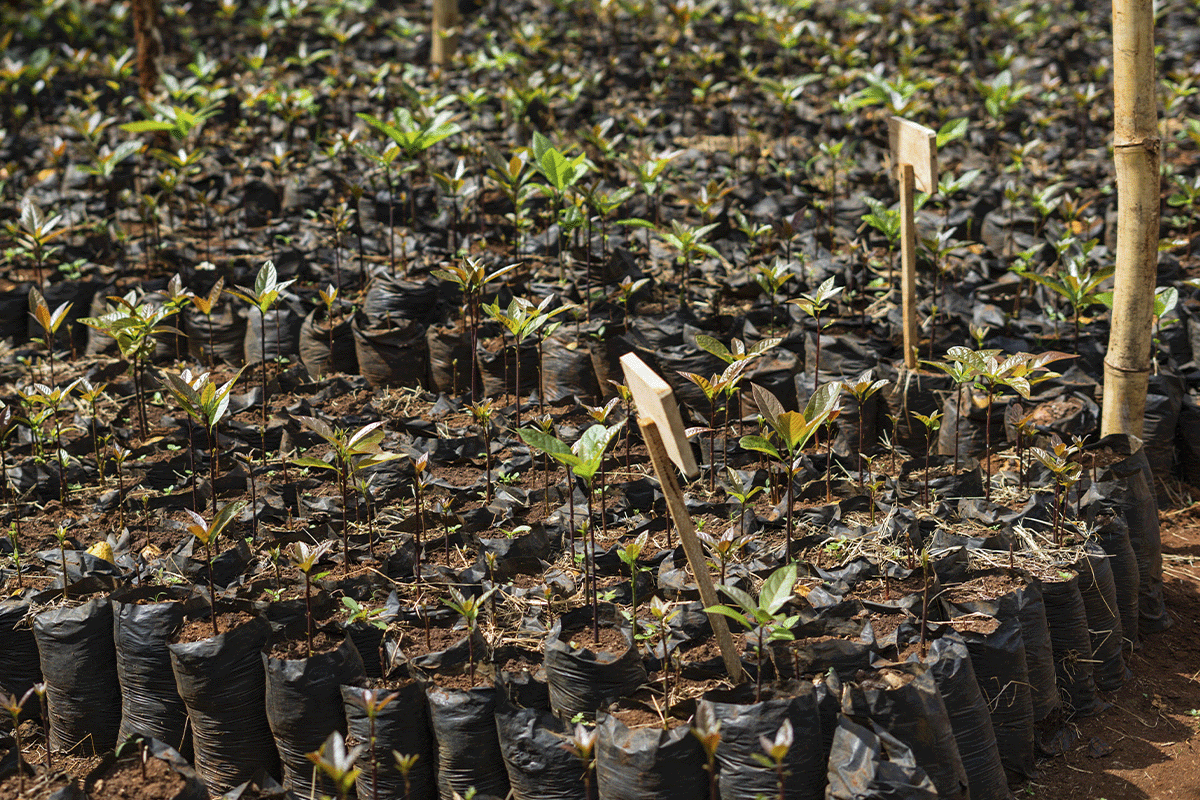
(582, 744)
(775, 751)
(707, 728)
(337, 763)
(932, 423)
(468, 608)
(207, 404)
(207, 534)
(305, 558)
(14, 707)
(763, 615)
(862, 388)
(814, 305)
(372, 702)
(629, 555)
(263, 297)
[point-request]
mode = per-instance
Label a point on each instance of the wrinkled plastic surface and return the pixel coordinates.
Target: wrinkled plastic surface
(868, 763)
(468, 748)
(648, 763)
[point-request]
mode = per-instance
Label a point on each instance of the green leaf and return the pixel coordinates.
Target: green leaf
(734, 614)
(759, 444)
(313, 462)
(777, 589)
(710, 345)
(147, 126)
(550, 445)
(950, 131)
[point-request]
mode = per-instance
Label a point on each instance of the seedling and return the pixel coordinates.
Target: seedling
(775, 751)
(763, 613)
(582, 745)
(862, 388)
(266, 292)
(471, 277)
(207, 404)
(814, 305)
(932, 423)
(629, 555)
(337, 763)
(49, 321)
(372, 702)
(354, 452)
(468, 608)
(743, 494)
(707, 728)
(208, 534)
(14, 707)
(305, 558)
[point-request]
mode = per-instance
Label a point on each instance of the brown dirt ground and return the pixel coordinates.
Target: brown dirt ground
(1153, 727)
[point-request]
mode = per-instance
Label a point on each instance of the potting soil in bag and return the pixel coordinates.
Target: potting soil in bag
(868, 763)
(1067, 620)
(950, 663)
(498, 368)
(1126, 484)
(280, 329)
(304, 705)
(468, 748)
(998, 660)
(150, 703)
(161, 765)
(390, 296)
(19, 665)
(539, 767)
(222, 683)
(315, 352)
(1099, 594)
(904, 699)
(449, 359)
(567, 370)
(648, 763)
(402, 726)
(392, 352)
(219, 337)
(581, 680)
(79, 665)
(743, 724)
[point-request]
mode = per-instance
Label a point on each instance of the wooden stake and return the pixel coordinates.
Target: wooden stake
(444, 32)
(1136, 155)
(914, 155)
(691, 543)
(908, 264)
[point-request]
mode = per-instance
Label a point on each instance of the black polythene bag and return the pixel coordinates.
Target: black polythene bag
(278, 330)
(567, 371)
(966, 411)
(868, 763)
(998, 659)
(904, 699)
(219, 336)
(260, 787)
(19, 664)
(744, 721)
(1099, 593)
(79, 665)
(392, 352)
(582, 680)
(449, 359)
(1112, 534)
(911, 392)
(1127, 485)
(498, 368)
(539, 767)
(304, 705)
(950, 663)
(1164, 403)
(648, 763)
(401, 726)
(1028, 608)
(1066, 617)
(129, 755)
(395, 297)
(468, 747)
(315, 352)
(142, 628)
(222, 683)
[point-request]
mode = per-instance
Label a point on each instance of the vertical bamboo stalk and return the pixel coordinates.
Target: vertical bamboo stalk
(445, 32)
(148, 41)
(908, 262)
(1136, 155)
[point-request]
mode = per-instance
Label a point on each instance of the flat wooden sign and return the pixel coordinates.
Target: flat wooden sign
(916, 145)
(655, 400)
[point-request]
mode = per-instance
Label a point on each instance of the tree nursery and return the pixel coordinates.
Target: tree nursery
(603, 399)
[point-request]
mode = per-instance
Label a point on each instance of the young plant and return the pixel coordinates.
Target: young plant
(34, 232)
(583, 459)
(91, 395)
(337, 763)
(629, 555)
(707, 728)
(405, 764)
(266, 292)
(561, 173)
(814, 305)
(372, 702)
(775, 751)
(207, 404)
(582, 745)
(206, 304)
(736, 352)
(862, 388)
(738, 490)
(482, 413)
(468, 608)
(134, 324)
(522, 320)
(1066, 474)
(305, 558)
(472, 277)
(932, 423)
(1078, 285)
(772, 280)
(354, 452)
(765, 615)
(14, 706)
(49, 321)
(794, 429)
(713, 387)
(688, 242)
(207, 534)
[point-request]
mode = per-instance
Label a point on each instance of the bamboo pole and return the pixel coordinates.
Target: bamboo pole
(908, 262)
(444, 32)
(1136, 155)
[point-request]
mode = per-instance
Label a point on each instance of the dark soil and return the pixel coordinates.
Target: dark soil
(130, 780)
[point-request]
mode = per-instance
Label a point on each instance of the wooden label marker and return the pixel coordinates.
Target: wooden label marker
(914, 154)
(662, 428)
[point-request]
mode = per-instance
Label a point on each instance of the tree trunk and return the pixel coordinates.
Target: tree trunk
(445, 33)
(148, 40)
(1136, 153)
